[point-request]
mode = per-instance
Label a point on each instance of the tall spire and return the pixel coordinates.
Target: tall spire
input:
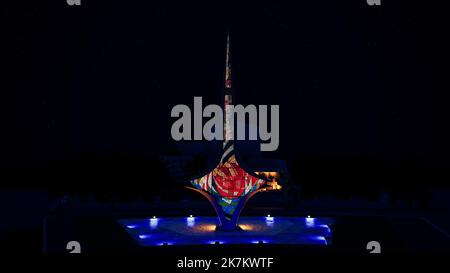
(228, 66)
(228, 129)
(228, 186)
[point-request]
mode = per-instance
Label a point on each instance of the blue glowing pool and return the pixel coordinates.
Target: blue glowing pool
(255, 230)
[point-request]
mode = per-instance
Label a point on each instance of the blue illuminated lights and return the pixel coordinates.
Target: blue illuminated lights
(321, 239)
(260, 242)
(190, 221)
(327, 228)
(310, 221)
(215, 242)
(154, 222)
(165, 244)
(269, 220)
(190, 230)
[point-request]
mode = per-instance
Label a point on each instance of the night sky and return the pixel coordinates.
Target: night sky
(351, 80)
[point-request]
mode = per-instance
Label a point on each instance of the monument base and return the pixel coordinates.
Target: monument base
(232, 228)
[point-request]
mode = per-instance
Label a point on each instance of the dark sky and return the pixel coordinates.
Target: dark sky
(350, 79)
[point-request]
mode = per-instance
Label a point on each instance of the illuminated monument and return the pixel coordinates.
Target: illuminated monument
(228, 187)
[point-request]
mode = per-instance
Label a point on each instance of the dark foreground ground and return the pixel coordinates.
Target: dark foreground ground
(399, 230)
